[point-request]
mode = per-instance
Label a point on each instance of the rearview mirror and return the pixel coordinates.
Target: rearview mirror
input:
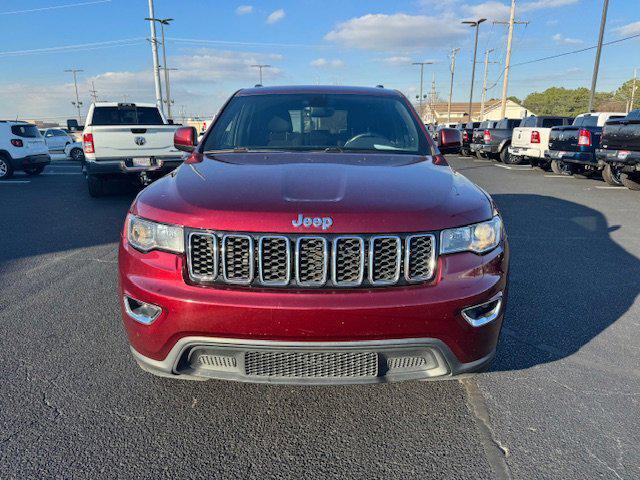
(185, 139)
(449, 140)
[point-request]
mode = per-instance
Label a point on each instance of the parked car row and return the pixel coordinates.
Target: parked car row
(591, 143)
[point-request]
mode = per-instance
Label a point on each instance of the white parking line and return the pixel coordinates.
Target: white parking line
(515, 167)
(13, 182)
(551, 175)
(610, 187)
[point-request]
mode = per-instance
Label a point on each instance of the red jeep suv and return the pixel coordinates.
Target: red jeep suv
(314, 235)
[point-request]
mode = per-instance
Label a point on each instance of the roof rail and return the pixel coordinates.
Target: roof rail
(379, 86)
(257, 85)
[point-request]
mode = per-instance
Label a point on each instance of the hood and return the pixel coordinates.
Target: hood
(361, 193)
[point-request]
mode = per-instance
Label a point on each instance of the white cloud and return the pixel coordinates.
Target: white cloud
(324, 63)
(390, 32)
(559, 38)
(629, 29)
(244, 9)
(495, 10)
(398, 60)
(275, 16)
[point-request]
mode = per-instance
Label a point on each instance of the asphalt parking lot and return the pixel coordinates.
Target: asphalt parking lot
(562, 399)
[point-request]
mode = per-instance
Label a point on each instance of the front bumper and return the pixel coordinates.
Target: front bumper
(417, 321)
(481, 147)
(267, 361)
(31, 161)
(526, 152)
(580, 158)
(126, 166)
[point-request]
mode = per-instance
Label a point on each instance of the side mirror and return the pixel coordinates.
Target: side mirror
(449, 140)
(185, 139)
(170, 121)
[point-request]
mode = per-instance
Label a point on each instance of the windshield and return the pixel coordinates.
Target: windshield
(341, 122)
(126, 115)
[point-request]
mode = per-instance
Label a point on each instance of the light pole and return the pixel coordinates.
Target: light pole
(422, 64)
(260, 66)
(156, 63)
(163, 22)
(454, 52)
(596, 65)
(476, 24)
(77, 103)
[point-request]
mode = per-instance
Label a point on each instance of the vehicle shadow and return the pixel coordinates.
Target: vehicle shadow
(569, 280)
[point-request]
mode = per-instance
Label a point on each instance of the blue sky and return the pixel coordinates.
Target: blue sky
(214, 43)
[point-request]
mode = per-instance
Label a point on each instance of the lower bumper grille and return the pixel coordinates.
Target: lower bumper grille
(311, 364)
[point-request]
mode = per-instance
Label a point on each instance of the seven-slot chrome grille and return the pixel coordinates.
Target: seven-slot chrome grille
(300, 261)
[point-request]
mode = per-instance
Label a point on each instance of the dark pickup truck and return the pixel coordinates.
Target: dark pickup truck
(477, 137)
(572, 149)
(496, 140)
(620, 152)
(467, 136)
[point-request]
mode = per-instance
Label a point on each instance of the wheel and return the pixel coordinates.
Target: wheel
(32, 171)
(96, 185)
(611, 175)
(76, 154)
(544, 165)
(508, 159)
(631, 181)
(479, 155)
(561, 168)
(6, 170)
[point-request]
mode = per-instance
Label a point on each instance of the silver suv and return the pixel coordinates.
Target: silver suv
(21, 148)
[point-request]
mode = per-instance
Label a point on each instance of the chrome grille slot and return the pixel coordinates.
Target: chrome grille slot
(385, 258)
(312, 257)
(274, 260)
(311, 364)
(348, 261)
(237, 259)
(203, 256)
(420, 257)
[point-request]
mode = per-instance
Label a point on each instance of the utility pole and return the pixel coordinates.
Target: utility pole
(94, 93)
(596, 65)
(156, 63)
(163, 22)
(433, 98)
(476, 25)
(422, 64)
(260, 66)
(507, 63)
(454, 52)
(484, 82)
(77, 103)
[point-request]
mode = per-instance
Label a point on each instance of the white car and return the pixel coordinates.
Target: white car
(74, 151)
(21, 148)
(130, 140)
(56, 139)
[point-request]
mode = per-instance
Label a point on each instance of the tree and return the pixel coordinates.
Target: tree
(558, 101)
(625, 92)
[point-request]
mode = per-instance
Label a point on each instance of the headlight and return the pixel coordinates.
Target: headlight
(478, 238)
(145, 235)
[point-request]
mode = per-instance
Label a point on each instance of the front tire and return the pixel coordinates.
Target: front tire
(76, 154)
(631, 181)
(6, 170)
(509, 159)
(96, 185)
(611, 175)
(561, 168)
(33, 171)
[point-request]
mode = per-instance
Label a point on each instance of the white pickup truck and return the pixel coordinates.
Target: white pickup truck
(131, 140)
(531, 139)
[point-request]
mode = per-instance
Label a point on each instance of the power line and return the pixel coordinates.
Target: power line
(55, 7)
(575, 51)
(88, 46)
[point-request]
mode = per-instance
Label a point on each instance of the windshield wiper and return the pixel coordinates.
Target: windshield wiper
(228, 150)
